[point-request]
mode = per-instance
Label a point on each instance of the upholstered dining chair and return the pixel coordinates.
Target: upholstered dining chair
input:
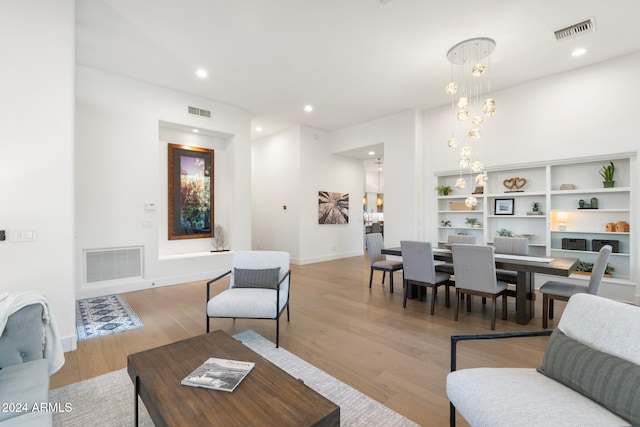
(476, 275)
(510, 246)
(557, 290)
(375, 244)
(259, 288)
(419, 269)
(468, 239)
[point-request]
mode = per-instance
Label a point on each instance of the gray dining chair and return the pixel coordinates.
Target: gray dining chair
(419, 269)
(557, 290)
(447, 267)
(510, 246)
(475, 274)
(379, 261)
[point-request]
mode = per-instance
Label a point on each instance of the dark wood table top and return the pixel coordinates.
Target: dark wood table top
(267, 396)
(556, 266)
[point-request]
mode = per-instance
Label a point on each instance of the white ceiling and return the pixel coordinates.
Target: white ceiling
(353, 60)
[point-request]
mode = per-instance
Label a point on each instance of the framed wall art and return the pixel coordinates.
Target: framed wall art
(333, 208)
(503, 207)
(190, 172)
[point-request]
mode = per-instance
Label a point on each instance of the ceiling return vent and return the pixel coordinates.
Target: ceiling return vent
(200, 112)
(576, 30)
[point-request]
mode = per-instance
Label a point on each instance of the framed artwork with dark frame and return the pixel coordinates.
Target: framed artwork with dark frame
(190, 172)
(503, 207)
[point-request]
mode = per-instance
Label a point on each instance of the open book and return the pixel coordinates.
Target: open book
(219, 374)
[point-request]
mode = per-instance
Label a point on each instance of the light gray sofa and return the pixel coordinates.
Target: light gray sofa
(24, 373)
(590, 375)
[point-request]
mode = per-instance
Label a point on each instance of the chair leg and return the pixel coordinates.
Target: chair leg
(447, 299)
(405, 285)
(468, 303)
(493, 313)
(452, 415)
(391, 282)
(434, 292)
(545, 311)
(370, 278)
(504, 306)
(455, 313)
(288, 317)
(384, 274)
(207, 324)
(484, 300)
(277, 331)
(550, 308)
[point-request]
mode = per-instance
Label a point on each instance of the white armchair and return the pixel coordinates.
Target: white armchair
(259, 288)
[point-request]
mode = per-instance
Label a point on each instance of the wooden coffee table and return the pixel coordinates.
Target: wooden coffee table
(267, 396)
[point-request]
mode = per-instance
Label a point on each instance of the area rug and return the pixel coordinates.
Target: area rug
(105, 315)
(107, 400)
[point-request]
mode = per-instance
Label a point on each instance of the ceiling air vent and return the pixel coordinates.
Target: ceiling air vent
(200, 112)
(576, 30)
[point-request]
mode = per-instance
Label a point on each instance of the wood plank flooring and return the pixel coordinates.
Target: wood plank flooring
(399, 357)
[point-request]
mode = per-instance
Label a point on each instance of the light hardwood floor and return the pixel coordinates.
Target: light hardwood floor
(399, 357)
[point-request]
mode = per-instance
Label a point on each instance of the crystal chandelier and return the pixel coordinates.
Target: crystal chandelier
(469, 84)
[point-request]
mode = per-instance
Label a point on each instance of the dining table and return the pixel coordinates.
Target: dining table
(525, 266)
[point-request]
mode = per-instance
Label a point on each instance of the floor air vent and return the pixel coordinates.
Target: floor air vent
(200, 112)
(576, 30)
(112, 264)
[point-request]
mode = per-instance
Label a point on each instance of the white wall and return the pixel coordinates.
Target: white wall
(275, 168)
(400, 134)
(289, 169)
(36, 148)
(122, 130)
(587, 112)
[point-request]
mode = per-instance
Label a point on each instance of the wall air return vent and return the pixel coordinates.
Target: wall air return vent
(200, 112)
(576, 30)
(112, 264)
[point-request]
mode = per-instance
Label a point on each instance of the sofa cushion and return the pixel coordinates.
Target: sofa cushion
(609, 380)
(24, 385)
(522, 397)
(256, 278)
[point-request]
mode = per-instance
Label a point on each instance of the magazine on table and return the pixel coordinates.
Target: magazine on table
(219, 374)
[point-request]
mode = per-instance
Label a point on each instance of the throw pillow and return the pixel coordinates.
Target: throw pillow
(609, 380)
(256, 278)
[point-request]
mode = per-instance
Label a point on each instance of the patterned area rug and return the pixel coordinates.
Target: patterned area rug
(105, 315)
(109, 398)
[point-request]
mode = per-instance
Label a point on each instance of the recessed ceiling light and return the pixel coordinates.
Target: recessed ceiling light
(308, 108)
(195, 130)
(371, 153)
(201, 72)
(258, 129)
(579, 51)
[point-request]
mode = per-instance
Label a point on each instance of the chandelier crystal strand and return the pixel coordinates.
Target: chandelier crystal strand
(471, 105)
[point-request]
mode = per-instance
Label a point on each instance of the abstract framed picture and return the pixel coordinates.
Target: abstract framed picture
(190, 172)
(503, 207)
(333, 208)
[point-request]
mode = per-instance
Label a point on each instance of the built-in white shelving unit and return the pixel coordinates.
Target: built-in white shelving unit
(543, 186)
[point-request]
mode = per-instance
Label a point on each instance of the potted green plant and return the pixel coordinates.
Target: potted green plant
(607, 174)
(443, 190)
(587, 267)
(535, 206)
(472, 222)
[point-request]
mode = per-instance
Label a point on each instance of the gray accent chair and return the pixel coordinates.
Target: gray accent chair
(263, 295)
(419, 269)
(24, 373)
(556, 290)
(475, 274)
(451, 239)
(375, 244)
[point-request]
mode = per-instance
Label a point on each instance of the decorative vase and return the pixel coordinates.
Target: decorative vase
(608, 184)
